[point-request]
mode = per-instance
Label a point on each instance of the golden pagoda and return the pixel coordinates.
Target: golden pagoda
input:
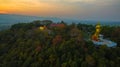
(95, 36)
(98, 39)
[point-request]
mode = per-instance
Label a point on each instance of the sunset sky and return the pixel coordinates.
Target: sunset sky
(82, 9)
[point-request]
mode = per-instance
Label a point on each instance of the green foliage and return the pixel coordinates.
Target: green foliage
(24, 45)
(112, 33)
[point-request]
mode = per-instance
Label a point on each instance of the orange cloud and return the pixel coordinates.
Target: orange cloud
(35, 7)
(3, 12)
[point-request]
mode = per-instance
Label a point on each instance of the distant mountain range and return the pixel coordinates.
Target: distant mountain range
(6, 20)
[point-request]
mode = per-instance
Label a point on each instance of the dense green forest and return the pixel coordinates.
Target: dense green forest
(67, 45)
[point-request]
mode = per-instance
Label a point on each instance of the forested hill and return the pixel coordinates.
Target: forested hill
(6, 20)
(47, 44)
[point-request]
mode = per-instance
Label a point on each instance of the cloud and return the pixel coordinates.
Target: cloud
(3, 12)
(67, 0)
(86, 1)
(73, 8)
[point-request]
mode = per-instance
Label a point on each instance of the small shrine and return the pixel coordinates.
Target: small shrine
(98, 39)
(42, 27)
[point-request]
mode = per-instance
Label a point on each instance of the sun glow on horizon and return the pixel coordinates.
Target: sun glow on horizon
(66, 8)
(3, 12)
(36, 7)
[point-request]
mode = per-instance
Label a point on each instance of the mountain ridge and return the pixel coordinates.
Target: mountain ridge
(6, 20)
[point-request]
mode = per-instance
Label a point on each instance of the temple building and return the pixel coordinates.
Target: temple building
(58, 25)
(42, 27)
(98, 39)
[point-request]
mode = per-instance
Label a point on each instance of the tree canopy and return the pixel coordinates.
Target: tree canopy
(24, 45)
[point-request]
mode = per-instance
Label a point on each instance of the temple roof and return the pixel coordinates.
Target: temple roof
(106, 42)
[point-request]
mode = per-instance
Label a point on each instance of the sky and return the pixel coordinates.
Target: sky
(81, 9)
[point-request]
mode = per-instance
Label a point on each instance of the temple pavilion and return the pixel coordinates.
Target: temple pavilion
(98, 39)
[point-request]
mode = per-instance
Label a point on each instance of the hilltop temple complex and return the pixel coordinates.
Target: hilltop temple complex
(98, 39)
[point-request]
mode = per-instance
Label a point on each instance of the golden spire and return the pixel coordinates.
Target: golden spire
(97, 32)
